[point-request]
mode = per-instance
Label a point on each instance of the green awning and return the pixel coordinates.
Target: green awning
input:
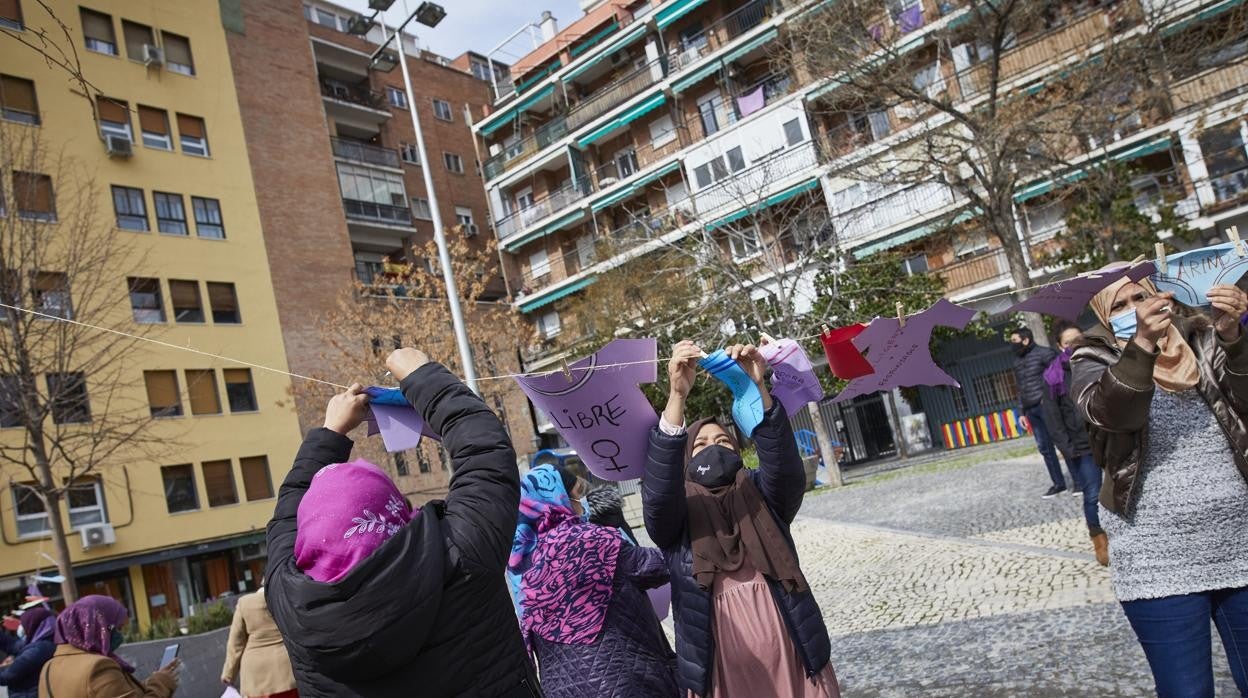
(617, 43)
(820, 92)
(507, 115)
(757, 41)
(591, 41)
(626, 192)
(1044, 187)
(1204, 15)
(696, 76)
(530, 306)
(911, 235)
(772, 200)
(638, 111)
(537, 77)
(675, 11)
(547, 229)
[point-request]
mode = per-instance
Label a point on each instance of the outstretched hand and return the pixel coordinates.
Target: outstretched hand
(346, 411)
(751, 360)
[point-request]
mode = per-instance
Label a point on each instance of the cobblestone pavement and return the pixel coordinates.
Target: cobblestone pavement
(955, 577)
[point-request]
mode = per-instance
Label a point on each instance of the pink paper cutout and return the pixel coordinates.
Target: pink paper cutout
(793, 379)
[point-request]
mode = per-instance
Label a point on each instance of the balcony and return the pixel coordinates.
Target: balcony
(972, 272)
(519, 152)
(613, 95)
(353, 94)
(356, 151)
(630, 162)
(520, 220)
(1209, 86)
(1229, 188)
(370, 212)
(747, 187)
(718, 35)
(867, 209)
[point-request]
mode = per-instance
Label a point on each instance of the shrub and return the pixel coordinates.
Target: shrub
(210, 617)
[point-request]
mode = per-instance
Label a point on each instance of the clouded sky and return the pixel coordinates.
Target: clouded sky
(479, 25)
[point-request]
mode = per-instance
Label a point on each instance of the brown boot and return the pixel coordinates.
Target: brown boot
(1100, 543)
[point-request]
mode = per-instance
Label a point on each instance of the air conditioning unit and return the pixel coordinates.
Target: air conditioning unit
(471, 230)
(97, 535)
(153, 55)
(118, 146)
(618, 57)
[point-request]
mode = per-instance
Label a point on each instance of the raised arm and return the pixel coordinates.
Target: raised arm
(781, 477)
(485, 486)
(1114, 396)
(1231, 361)
(663, 487)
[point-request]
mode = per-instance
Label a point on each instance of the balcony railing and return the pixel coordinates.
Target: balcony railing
(718, 35)
(611, 96)
(744, 188)
(363, 152)
(630, 162)
(517, 221)
(353, 94)
(891, 209)
(1210, 85)
(377, 213)
(515, 154)
(971, 272)
(1230, 187)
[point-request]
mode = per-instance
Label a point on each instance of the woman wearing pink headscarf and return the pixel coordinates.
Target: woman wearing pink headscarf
(374, 598)
(88, 633)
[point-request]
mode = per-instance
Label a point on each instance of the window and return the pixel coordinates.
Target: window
(192, 135)
(85, 497)
(539, 264)
(130, 208)
(223, 301)
(154, 125)
(793, 132)
(145, 301)
(662, 132)
(422, 461)
(1046, 220)
(702, 175)
(32, 196)
(1225, 156)
(400, 464)
(187, 306)
(208, 223)
(32, 518)
(17, 98)
(453, 162)
(463, 216)
(178, 53)
(929, 80)
(744, 243)
(163, 397)
(396, 97)
(239, 390)
(136, 37)
(967, 244)
(219, 482)
(114, 118)
(170, 213)
(201, 385)
(257, 483)
(51, 294)
(326, 18)
(68, 394)
(718, 170)
(421, 210)
(874, 123)
(707, 109)
(11, 14)
(442, 110)
(10, 408)
(996, 390)
(410, 154)
(180, 492)
(98, 30)
(373, 186)
(915, 265)
(736, 161)
(549, 325)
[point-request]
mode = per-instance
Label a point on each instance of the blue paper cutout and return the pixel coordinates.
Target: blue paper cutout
(1190, 275)
(747, 403)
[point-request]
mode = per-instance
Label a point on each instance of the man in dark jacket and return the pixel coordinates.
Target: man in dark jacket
(428, 612)
(1029, 375)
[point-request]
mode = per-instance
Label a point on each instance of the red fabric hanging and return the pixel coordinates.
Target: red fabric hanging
(844, 358)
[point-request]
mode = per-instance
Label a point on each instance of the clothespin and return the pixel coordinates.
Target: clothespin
(766, 338)
(563, 366)
(826, 330)
(901, 315)
(1161, 258)
(1232, 234)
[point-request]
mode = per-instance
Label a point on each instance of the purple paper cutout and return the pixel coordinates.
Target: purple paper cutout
(602, 412)
(910, 19)
(400, 427)
(902, 357)
(1067, 299)
(793, 380)
(1190, 275)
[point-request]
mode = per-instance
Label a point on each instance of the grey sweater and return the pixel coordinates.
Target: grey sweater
(1190, 520)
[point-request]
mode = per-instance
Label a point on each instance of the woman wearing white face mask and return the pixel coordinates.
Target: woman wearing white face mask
(1164, 390)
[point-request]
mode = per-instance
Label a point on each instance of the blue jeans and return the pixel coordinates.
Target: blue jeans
(1174, 631)
(1044, 442)
(1087, 475)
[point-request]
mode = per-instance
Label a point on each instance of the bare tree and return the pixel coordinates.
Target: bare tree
(67, 348)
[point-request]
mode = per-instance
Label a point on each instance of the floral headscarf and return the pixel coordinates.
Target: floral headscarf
(349, 511)
(88, 624)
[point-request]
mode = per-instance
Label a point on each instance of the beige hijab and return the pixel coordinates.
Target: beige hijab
(1176, 369)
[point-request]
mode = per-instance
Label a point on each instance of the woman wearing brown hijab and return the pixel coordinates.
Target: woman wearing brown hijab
(746, 621)
(1164, 390)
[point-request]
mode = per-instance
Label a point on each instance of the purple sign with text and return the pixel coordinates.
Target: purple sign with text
(902, 356)
(602, 412)
(793, 380)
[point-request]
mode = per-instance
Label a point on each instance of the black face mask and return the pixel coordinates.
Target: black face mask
(715, 466)
(1021, 349)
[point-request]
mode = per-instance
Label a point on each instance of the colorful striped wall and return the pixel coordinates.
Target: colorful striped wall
(986, 428)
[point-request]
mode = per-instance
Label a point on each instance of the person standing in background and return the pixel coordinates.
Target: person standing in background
(29, 651)
(1029, 375)
(256, 645)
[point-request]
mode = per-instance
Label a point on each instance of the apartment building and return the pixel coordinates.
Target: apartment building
(341, 192)
(665, 111)
(164, 147)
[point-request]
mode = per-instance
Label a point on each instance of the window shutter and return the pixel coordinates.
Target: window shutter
(219, 482)
(10, 9)
(192, 126)
(136, 35)
(17, 94)
(202, 386)
(177, 48)
(185, 294)
(237, 376)
(162, 389)
(222, 297)
(113, 110)
(153, 120)
(32, 192)
(97, 26)
(256, 480)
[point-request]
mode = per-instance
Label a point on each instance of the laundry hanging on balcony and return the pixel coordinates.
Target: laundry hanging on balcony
(600, 411)
(845, 360)
(793, 379)
(751, 102)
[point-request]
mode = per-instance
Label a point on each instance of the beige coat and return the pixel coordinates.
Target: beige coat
(256, 641)
(73, 673)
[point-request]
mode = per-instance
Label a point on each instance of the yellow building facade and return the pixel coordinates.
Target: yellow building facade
(170, 175)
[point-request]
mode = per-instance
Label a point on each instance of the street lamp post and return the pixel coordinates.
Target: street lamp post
(431, 13)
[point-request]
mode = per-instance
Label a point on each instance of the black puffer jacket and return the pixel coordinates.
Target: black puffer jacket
(781, 479)
(1029, 374)
(428, 613)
